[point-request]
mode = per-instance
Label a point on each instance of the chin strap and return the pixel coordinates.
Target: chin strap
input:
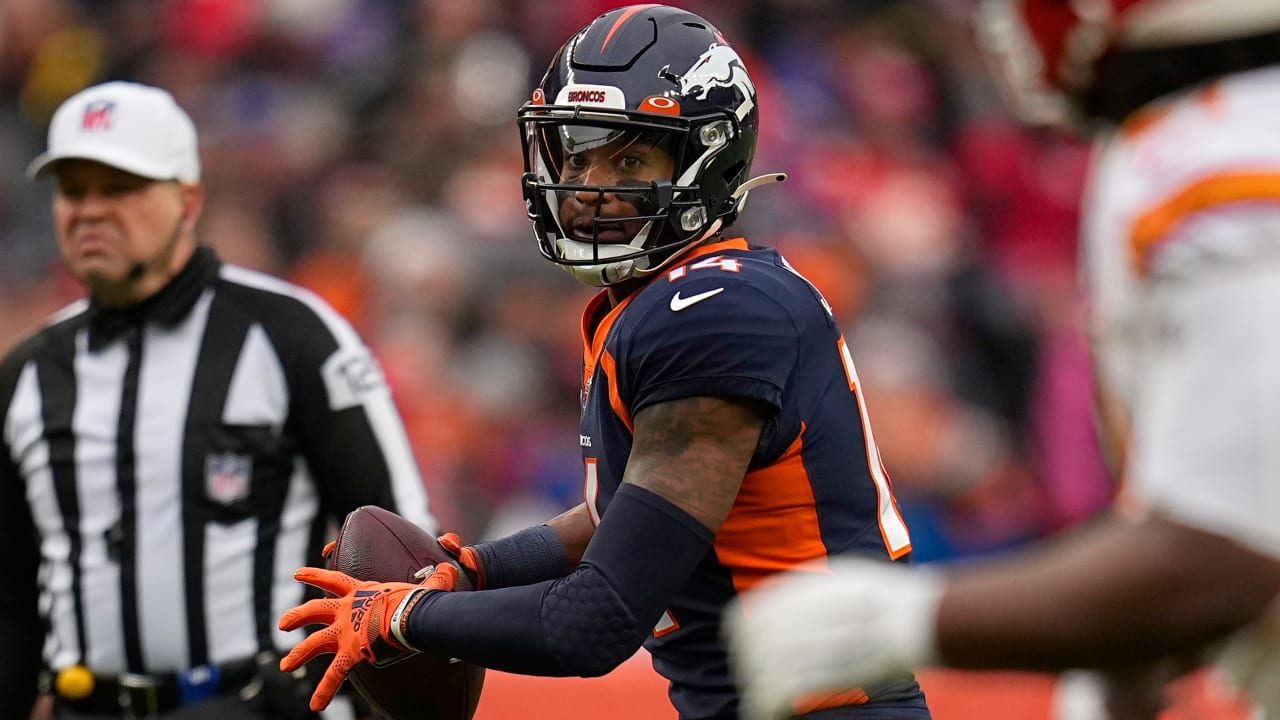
(740, 195)
(711, 230)
(598, 274)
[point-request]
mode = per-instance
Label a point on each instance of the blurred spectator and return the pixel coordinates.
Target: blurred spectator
(961, 484)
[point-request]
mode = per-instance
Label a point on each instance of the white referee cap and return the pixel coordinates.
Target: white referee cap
(136, 128)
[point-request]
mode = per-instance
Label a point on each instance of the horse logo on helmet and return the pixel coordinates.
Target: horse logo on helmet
(718, 67)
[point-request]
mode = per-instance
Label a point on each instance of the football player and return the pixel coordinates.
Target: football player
(723, 435)
(1181, 232)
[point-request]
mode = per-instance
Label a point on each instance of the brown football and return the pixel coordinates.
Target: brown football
(377, 544)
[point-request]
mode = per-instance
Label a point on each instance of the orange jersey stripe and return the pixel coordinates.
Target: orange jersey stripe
(718, 247)
(895, 552)
(593, 337)
(1142, 121)
(806, 705)
(610, 369)
(1155, 225)
(1210, 98)
(773, 525)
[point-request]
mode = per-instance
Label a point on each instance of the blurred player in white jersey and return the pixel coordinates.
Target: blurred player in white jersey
(1181, 230)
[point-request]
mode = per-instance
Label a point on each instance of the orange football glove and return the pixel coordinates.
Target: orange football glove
(440, 577)
(466, 556)
(362, 614)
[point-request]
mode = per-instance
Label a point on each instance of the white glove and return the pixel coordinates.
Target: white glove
(1079, 695)
(802, 633)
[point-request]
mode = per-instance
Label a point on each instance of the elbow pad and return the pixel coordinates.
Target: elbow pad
(641, 555)
(590, 628)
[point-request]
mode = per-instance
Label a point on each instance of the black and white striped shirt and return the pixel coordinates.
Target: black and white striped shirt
(178, 461)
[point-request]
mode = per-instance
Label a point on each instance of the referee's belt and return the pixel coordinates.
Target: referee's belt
(135, 695)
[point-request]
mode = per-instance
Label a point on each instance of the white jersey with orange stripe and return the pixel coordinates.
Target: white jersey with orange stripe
(1182, 252)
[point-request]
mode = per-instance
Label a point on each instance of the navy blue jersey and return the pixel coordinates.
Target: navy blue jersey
(735, 320)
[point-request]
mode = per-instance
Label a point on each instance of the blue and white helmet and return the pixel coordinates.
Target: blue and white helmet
(648, 70)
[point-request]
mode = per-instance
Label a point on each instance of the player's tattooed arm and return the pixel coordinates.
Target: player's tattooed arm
(694, 452)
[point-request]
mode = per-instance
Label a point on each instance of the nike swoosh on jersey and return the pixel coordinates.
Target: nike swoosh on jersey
(678, 303)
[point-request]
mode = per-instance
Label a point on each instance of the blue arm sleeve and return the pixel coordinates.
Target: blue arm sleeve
(529, 556)
(588, 622)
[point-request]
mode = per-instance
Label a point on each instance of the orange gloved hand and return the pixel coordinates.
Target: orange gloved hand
(467, 557)
(362, 620)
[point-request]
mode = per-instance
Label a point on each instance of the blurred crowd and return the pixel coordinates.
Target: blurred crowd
(367, 149)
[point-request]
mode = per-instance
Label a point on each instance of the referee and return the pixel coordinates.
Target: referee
(172, 445)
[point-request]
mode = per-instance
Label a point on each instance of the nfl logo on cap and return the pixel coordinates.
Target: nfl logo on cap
(97, 115)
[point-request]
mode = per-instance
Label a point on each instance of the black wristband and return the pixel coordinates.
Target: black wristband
(529, 556)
